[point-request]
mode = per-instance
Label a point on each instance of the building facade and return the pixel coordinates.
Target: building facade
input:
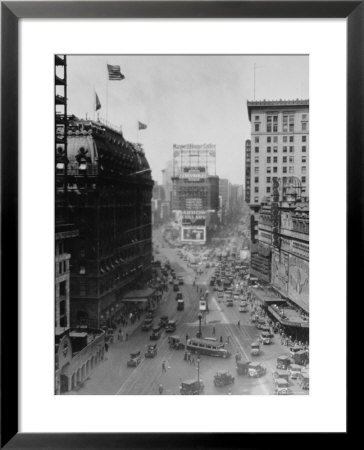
(247, 170)
(279, 147)
(108, 198)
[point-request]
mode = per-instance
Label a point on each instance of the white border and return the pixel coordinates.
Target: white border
(325, 408)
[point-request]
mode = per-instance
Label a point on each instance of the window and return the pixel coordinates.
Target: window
(62, 288)
(268, 190)
(82, 270)
(256, 149)
(269, 170)
(291, 159)
(304, 138)
(60, 267)
(291, 123)
(303, 179)
(304, 149)
(303, 169)
(272, 124)
(285, 124)
(275, 159)
(256, 179)
(256, 199)
(256, 139)
(291, 139)
(275, 169)
(304, 158)
(284, 159)
(275, 124)
(256, 189)
(62, 308)
(269, 149)
(268, 159)
(304, 116)
(269, 139)
(291, 169)
(291, 149)
(304, 126)
(275, 139)
(268, 179)
(275, 149)
(256, 127)
(256, 117)
(256, 169)
(284, 169)
(256, 159)
(285, 138)
(284, 149)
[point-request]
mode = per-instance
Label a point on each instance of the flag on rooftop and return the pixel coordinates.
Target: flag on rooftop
(141, 126)
(114, 72)
(97, 102)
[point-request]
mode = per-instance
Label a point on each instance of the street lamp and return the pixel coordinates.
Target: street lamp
(199, 334)
(198, 370)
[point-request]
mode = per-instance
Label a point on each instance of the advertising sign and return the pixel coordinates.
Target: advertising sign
(194, 204)
(196, 234)
(280, 271)
(298, 281)
(194, 218)
(193, 173)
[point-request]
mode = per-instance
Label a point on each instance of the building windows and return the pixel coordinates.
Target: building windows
(256, 117)
(256, 139)
(268, 179)
(269, 139)
(284, 169)
(291, 139)
(256, 189)
(304, 149)
(284, 149)
(291, 159)
(268, 189)
(303, 179)
(256, 159)
(256, 149)
(256, 199)
(291, 123)
(285, 138)
(275, 169)
(269, 170)
(275, 159)
(275, 149)
(304, 126)
(256, 127)
(291, 169)
(275, 139)
(303, 170)
(285, 124)
(62, 288)
(272, 124)
(256, 179)
(284, 159)
(291, 149)
(304, 159)
(256, 169)
(304, 138)
(268, 159)
(304, 116)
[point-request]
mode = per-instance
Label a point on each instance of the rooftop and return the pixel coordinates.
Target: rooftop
(275, 103)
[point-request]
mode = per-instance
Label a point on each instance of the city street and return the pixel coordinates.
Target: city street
(113, 376)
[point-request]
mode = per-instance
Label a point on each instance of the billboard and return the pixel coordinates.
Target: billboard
(195, 218)
(280, 271)
(298, 281)
(195, 234)
(193, 173)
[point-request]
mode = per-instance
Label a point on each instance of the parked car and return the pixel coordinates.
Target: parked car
(256, 370)
(134, 359)
(223, 379)
(255, 349)
(192, 387)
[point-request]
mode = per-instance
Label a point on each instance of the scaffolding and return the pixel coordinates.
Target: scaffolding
(189, 158)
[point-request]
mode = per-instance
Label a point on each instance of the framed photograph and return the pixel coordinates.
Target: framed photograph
(161, 281)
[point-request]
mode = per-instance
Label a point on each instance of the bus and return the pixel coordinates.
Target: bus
(207, 347)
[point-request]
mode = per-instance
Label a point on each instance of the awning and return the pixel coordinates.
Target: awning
(138, 299)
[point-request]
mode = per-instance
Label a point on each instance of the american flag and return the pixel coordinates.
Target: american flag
(114, 72)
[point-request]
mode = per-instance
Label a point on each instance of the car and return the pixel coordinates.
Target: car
(147, 325)
(135, 359)
(179, 296)
(163, 321)
(223, 379)
(192, 387)
(220, 295)
(255, 349)
(256, 370)
(151, 351)
(180, 281)
(156, 333)
(265, 338)
(295, 370)
(180, 305)
(229, 302)
(171, 326)
(175, 287)
(281, 387)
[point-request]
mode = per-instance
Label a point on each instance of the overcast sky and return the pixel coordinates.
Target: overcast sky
(185, 100)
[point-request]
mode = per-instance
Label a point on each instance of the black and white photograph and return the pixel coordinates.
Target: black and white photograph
(181, 224)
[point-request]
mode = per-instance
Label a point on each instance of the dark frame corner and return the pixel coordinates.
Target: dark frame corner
(11, 12)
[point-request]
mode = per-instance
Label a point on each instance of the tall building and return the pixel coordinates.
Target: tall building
(279, 147)
(224, 192)
(108, 198)
(247, 170)
(195, 198)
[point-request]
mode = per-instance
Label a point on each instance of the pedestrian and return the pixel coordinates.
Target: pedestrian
(213, 331)
(106, 347)
(121, 336)
(160, 389)
(238, 323)
(164, 366)
(193, 360)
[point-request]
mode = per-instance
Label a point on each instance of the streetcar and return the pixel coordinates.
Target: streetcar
(207, 347)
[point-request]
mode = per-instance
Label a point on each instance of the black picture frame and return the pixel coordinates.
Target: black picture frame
(11, 12)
